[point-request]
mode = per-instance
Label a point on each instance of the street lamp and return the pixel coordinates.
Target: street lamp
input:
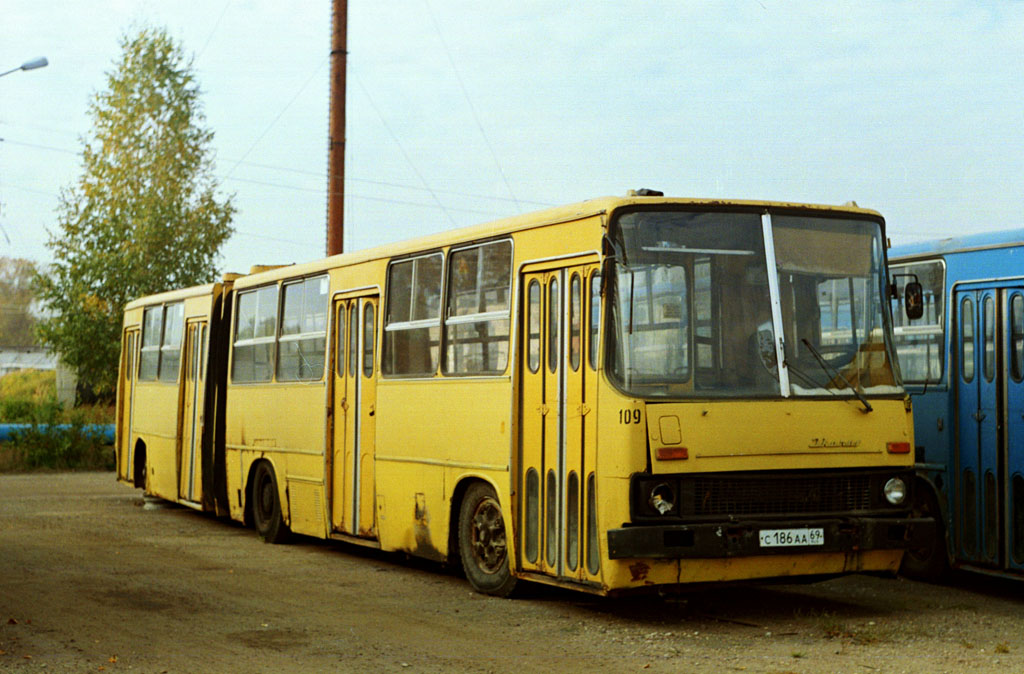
(40, 62)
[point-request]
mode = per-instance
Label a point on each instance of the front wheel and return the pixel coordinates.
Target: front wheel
(266, 506)
(482, 542)
(928, 563)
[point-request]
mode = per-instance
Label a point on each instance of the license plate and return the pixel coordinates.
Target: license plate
(779, 538)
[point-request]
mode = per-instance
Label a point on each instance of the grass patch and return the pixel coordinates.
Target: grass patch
(55, 438)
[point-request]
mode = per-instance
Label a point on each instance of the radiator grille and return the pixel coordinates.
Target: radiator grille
(709, 496)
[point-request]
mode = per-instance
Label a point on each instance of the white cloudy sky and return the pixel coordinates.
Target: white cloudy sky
(462, 111)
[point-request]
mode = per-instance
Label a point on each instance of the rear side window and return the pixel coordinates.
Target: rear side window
(255, 331)
(162, 328)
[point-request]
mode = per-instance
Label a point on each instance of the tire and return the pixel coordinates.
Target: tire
(266, 505)
(928, 563)
(482, 542)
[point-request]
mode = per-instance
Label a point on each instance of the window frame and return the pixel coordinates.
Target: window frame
(387, 347)
(301, 336)
(488, 317)
(256, 341)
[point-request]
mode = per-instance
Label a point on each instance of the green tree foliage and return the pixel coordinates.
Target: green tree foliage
(17, 324)
(143, 218)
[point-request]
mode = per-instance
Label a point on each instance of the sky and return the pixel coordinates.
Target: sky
(460, 112)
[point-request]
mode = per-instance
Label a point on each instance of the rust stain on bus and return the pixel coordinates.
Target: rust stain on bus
(639, 571)
(421, 528)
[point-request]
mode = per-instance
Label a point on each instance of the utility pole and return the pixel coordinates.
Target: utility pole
(336, 131)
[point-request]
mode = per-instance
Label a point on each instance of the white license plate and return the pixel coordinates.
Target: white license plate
(779, 538)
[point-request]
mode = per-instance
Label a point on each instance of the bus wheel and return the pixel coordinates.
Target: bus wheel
(266, 506)
(929, 562)
(482, 542)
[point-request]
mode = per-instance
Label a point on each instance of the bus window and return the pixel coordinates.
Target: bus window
(967, 339)
(353, 339)
(368, 339)
(170, 344)
(534, 326)
(553, 323)
(920, 342)
(303, 346)
(595, 318)
(340, 341)
(149, 359)
(989, 317)
(1017, 337)
(254, 335)
(412, 330)
(575, 322)
(477, 314)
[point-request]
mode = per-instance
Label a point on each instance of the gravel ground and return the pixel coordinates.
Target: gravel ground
(92, 580)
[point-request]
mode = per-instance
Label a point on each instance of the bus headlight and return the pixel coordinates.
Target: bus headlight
(663, 498)
(895, 491)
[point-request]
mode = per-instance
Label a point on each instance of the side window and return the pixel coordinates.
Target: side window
(920, 343)
(353, 338)
(533, 338)
(253, 351)
(595, 318)
(368, 319)
(477, 311)
(575, 321)
(412, 329)
(129, 356)
(967, 339)
(170, 345)
(554, 306)
(303, 341)
(149, 359)
(341, 341)
(989, 317)
(1017, 337)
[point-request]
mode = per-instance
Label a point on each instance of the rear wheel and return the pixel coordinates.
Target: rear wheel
(929, 561)
(266, 506)
(482, 542)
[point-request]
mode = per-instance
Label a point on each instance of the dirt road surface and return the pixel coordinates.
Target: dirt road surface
(91, 580)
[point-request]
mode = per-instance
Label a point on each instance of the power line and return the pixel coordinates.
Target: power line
(472, 108)
(401, 148)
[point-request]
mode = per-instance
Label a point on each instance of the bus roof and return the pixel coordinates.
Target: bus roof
(959, 244)
(172, 296)
(522, 222)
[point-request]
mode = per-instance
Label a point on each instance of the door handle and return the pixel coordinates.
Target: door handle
(978, 416)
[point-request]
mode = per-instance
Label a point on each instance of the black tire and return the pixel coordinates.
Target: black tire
(482, 542)
(928, 563)
(266, 506)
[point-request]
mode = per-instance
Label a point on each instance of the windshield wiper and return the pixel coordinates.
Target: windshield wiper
(829, 370)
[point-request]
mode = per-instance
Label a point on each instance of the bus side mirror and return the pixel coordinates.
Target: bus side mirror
(913, 300)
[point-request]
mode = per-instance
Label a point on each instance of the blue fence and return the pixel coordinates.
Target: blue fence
(105, 431)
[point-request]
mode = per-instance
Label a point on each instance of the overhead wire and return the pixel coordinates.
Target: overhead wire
(401, 148)
(469, 102)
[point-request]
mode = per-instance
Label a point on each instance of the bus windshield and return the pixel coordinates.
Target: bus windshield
(691, 306)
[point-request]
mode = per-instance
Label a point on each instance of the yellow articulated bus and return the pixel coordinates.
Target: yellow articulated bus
(620, 394)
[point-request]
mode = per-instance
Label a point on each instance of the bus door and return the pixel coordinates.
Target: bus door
(129, 357)
(982, 430)
(1014, 488)
(557, 425)
(193, 392)
(354, 397)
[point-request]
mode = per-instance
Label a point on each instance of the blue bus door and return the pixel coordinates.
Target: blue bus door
(1014, 487)
(977, 428)
(990, 426)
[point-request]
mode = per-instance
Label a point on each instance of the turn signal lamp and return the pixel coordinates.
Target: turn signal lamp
(667, 453)
(898, 447)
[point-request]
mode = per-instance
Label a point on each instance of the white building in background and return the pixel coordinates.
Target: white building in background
(13, 359)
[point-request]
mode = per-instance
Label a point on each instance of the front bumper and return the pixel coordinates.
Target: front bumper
(717, 540)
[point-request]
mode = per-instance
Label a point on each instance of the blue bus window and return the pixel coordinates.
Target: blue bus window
(967, 339)
(990, 338)
(1017, 337)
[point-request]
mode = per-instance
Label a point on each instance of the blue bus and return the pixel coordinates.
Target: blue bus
(963, 364)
